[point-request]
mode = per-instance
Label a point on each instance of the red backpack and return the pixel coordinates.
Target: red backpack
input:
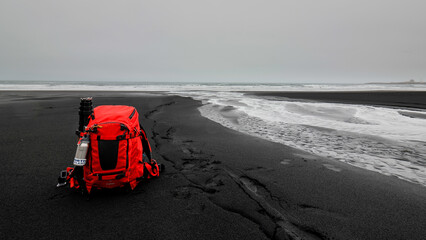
(115, 152)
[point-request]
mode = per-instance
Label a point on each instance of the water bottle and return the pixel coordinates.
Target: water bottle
(81, 153)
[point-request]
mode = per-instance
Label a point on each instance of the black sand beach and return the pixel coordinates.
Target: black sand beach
(218, 184)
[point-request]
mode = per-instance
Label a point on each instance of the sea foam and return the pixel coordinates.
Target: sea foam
(379, 139)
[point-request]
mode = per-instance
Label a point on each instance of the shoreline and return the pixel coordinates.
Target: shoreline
(218, 184)
(389, 98)
(405, 99)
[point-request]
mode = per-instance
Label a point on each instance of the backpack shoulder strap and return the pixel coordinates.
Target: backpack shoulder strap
(145, 143)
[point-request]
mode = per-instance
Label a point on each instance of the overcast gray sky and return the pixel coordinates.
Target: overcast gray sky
(222, 40)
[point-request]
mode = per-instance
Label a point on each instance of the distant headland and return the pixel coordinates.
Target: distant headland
(406, 82)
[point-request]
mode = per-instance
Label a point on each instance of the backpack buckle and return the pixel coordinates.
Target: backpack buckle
(121, 137)
(123, 127)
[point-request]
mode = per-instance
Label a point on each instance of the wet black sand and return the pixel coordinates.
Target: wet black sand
(219, 184)
(409, 99)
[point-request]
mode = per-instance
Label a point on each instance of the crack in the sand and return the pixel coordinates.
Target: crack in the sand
(157, 108)
(284, 227)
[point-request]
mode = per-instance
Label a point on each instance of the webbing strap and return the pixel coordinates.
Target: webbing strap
(128, 136)
(121, 137)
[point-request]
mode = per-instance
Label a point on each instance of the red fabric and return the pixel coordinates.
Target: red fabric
(153, 169)
(107, 123)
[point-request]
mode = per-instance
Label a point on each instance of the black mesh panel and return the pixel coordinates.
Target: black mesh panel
(108, 154)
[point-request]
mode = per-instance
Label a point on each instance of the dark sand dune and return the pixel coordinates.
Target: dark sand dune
(219, 184)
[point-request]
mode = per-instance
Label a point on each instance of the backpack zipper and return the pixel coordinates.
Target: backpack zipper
(133, 113)
(127, 155)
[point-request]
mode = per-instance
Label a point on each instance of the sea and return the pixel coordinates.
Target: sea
(387, 140)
